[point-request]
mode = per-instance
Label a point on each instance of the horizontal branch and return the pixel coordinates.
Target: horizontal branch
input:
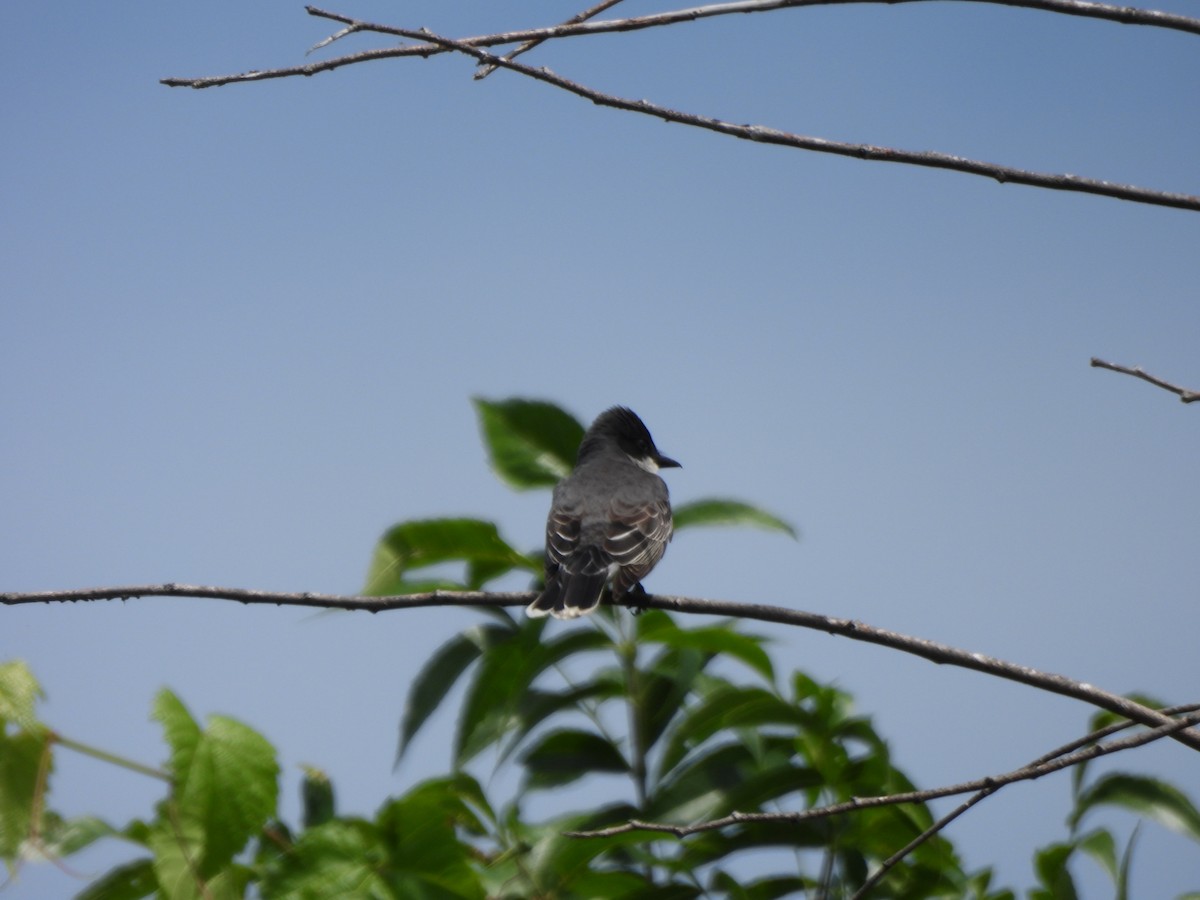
(1184, 394)
(989, 784)
(1122, 14)
(941, 654)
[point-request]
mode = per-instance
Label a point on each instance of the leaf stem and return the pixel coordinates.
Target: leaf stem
(114, 759)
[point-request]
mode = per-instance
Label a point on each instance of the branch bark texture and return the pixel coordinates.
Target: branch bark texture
(935, 652)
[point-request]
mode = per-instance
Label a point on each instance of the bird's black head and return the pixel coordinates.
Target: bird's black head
(622, 427)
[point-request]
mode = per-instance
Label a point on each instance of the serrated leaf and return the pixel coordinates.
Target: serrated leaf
(1148, 797)
(181, 731)
(19, 693)
(530, 443)
(176, 847)
(231, 789)
(341, 858)
(225, 787)
(426, 858)
(719, 511)
(566, 755)
(427, 542)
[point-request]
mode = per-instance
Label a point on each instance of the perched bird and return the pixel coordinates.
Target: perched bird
(610, 519)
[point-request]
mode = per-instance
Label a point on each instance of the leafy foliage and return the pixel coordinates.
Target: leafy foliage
(668, 723)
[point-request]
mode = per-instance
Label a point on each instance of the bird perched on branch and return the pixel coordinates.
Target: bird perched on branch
(610, 519)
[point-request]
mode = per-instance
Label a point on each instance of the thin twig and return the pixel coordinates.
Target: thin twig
(484, 71)
(1184, 394)
(896, 858)
(763, 134)
(933, 651)
(1026, 773)
(1122, 14)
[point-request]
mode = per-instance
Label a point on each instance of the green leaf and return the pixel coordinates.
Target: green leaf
(131, 881)
(492, 706)
(763, 889)
(439, 675)
(716, 511)
(1148, 797)
(342, 858)
(180, 730)
(426, 857)
(563, 756)
(428, 542)
(176, 847)
(1050, 864)
(225, 787)
(554, 864)
(231, 789)
(661, 688)
(656, 626)
(530, 443)
(1101, 847)
(727, 707)
(19, 693)
(21, 760)
(536, 706)
(63, 837)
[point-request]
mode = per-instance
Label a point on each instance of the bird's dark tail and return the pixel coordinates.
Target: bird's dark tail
(575, 589)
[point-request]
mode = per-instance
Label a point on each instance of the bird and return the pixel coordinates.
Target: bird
(610, 519)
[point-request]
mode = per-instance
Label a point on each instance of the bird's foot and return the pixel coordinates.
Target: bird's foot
(635, 599)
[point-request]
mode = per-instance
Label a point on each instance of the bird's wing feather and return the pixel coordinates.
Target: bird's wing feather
(636, 540)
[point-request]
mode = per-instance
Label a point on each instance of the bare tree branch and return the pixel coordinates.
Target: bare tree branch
(757, 133)
(897, 857)
(989, 784)
(1185, 395)
(485, 71)
(941, 654)
(1123, 14)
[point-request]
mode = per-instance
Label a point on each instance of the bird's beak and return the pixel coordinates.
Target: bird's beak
(665, 462)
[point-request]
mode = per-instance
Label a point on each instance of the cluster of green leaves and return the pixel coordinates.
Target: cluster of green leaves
(657, 707)
(666, 723)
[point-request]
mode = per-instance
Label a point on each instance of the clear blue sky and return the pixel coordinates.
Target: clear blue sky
(239, 331)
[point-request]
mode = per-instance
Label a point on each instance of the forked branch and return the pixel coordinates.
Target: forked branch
(1054, 761)
(429, 44)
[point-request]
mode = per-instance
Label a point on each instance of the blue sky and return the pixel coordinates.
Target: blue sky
(240, 328)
